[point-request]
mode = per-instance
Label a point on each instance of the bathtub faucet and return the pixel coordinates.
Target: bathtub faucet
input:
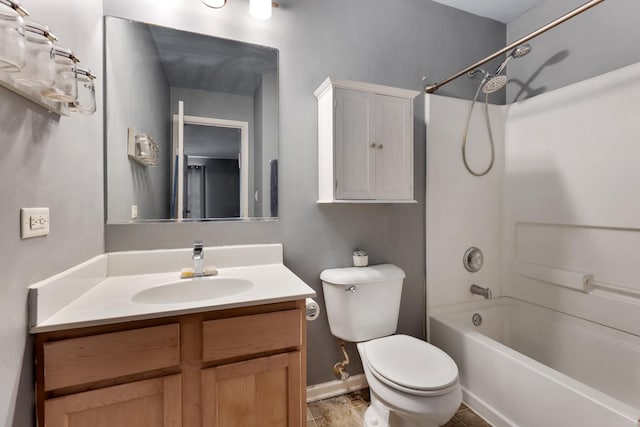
(483, 292)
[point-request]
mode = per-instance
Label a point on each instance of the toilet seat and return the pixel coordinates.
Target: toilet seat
(410, 365)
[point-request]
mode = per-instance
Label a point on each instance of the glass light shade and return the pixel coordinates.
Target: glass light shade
(216, 4)
(260, 9)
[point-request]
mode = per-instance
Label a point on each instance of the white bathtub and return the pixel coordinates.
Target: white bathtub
(533, 367)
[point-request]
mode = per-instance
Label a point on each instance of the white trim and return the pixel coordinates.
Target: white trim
(330, 82)
(174, 153)
(180, 151)
(336, 388)
(244, 152)
(352, 201)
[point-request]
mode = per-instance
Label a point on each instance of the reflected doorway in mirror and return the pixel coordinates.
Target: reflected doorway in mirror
(212, 160)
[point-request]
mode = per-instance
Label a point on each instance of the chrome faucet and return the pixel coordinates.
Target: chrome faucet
(479, 290)
(198, 258)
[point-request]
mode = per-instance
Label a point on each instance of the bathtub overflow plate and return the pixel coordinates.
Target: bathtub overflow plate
(476, 319)
(473, 259)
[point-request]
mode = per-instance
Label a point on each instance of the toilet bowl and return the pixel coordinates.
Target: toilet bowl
(412, 383)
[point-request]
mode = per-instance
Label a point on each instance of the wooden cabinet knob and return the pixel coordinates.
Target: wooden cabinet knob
(381, 146)
(373, 145)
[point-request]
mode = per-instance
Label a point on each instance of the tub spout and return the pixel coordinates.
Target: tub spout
(483, 292)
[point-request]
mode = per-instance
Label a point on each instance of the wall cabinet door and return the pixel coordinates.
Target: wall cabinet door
(354, 137)
(393, 150)
(263, 392)
(150, 403)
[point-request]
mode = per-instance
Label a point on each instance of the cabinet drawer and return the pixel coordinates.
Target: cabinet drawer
(100, 357)
(238, 336)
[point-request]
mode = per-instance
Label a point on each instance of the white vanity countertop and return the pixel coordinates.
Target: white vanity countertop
(92, 301)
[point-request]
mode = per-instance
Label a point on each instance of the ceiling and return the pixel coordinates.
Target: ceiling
(500, 10)
(196, 61)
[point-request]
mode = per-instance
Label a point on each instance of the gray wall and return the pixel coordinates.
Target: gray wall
(265, 146)
(600, 40)
(212, 141)
(269, 136)
(364, 40)
(212, 104)
(138, 97)
(53, 162)
(258, 122)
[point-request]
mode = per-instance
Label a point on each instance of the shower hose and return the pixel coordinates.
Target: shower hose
(466, 133)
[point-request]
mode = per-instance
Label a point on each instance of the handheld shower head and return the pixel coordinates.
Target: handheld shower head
(494, 84)
(490, 83)
(518, 52)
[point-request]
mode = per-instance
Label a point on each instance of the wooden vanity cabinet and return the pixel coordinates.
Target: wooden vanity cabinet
(237, 367)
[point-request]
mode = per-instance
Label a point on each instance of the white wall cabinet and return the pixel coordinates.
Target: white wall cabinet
(365, 143)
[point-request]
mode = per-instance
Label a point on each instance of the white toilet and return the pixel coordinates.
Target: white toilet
(412, 383)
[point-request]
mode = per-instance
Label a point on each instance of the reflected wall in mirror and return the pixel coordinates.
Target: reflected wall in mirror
(211, 106)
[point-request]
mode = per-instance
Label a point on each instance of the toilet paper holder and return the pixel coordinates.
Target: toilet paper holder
(312, 309)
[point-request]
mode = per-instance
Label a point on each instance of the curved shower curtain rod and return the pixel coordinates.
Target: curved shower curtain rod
(433, 87)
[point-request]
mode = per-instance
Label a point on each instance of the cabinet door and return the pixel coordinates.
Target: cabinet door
(149, 403)
(264, 392)
(354, 130)
(394, 148)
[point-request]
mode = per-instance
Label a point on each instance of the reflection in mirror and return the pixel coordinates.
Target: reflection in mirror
(215, 187)
(210, 105)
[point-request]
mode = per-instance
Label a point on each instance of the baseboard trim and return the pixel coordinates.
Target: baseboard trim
(335, 388)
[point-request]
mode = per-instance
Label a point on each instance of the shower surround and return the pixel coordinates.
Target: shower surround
(558, 218)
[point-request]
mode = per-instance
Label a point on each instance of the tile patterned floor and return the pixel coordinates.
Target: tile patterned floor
(348, 411)
(341, 411)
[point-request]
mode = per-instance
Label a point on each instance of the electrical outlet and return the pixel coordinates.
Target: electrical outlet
(34, 222)
(134, 211)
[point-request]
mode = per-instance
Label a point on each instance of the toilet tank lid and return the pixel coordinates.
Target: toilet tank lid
(358, 275)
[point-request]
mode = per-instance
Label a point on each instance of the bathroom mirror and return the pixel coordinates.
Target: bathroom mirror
(191, 126)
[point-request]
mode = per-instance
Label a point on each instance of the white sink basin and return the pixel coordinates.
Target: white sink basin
(189, 290)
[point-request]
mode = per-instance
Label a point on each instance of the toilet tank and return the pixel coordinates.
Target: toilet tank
(362, 303)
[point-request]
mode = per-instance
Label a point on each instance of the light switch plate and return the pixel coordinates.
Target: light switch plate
(34, 222)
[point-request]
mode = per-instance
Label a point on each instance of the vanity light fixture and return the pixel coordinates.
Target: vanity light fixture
(259, 9)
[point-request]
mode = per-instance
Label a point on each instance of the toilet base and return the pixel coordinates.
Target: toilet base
(393, 408)
(373, 418)
(378, 415)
